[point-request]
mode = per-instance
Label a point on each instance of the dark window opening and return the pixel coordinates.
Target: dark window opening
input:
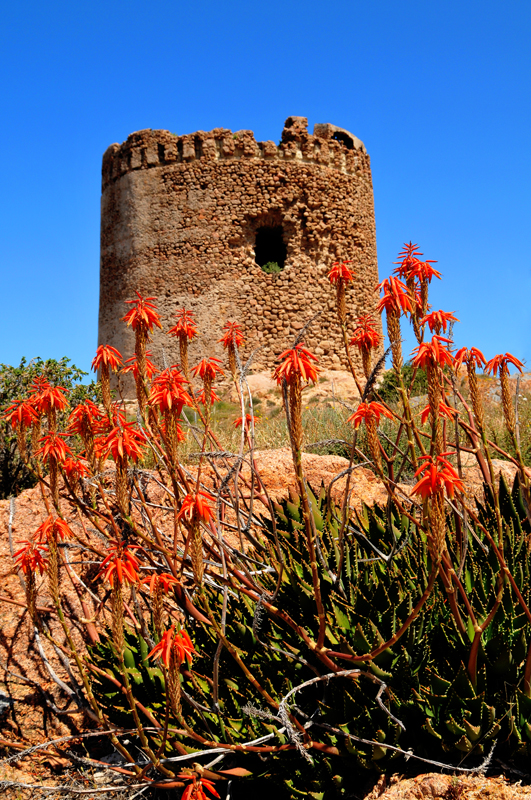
(345, 138)
(269, 250)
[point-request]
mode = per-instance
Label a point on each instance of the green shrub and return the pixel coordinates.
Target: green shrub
(272, 268)
(415, 381)
(15, 383)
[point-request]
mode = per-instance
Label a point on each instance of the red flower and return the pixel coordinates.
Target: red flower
(107, 356)
(444, 411)
(395, 296)
(46, 397)
(52, 528)
(120, 565)
(194, 791)
(167, 392)
(434, 352)
(21, 414)
(248, 420)
(365, 336)
(186, 325)
(122, 441)
(500, 363)
(438, 320)
(105, 425)
(437, 475)
(233, 335)
(409, 256)
(151, 369)
(368, 411)
(143, 315)
(163, 579)
(179, 642)
(74, 469)
(207, 369)
(296, 362)
(31, 557)
(340, 272)
(472, 356)
(84, 419)
(195, 507)
(54, 446)
(213, 397)
(424, 271)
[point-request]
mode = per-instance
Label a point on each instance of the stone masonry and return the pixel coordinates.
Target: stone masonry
(186, 219)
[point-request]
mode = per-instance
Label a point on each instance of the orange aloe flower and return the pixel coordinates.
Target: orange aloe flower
(444, 411)
(231, 339)
(84, 419)
(107, 356)
(185, 330)
(52, 527)
(396, 297)
(74, 469)
(194, 790)
(195, 507)
(434, 352)
(365, 335)
(296, 362)
(438, 320)
(424, 271)
(163, 579)
(249, 419)
(123, 440)
(207, 369)
(232, 335)
(500, 363)
(46, 398)
(366, 338)
(213, 397)
(340, 272)
(471, 356)
(167, 391)
(31, 557)
(106, 424)
(409, 256)
(341, 275)
(186, 325)
(121, 564)
(437, 474)
(368, 412)
(54, 446)
(143, 315)
(131, 365)
(180, 643)
(21, 414)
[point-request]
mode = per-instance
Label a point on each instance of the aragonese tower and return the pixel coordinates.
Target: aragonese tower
(232, 228)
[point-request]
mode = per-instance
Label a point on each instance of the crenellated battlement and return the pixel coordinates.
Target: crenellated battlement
(328, 146)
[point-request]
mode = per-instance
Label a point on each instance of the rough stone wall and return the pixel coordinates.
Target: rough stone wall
(179, 218)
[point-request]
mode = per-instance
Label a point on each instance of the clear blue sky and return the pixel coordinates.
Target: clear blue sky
(438, 91)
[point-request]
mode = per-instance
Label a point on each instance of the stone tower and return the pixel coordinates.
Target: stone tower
(237, 229)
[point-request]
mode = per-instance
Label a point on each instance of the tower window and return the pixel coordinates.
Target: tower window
(269, 249)
(340, 136)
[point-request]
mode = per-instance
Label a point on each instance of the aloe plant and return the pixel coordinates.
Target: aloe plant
(416, 695)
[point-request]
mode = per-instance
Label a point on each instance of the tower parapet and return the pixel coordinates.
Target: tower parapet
(329, 146)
